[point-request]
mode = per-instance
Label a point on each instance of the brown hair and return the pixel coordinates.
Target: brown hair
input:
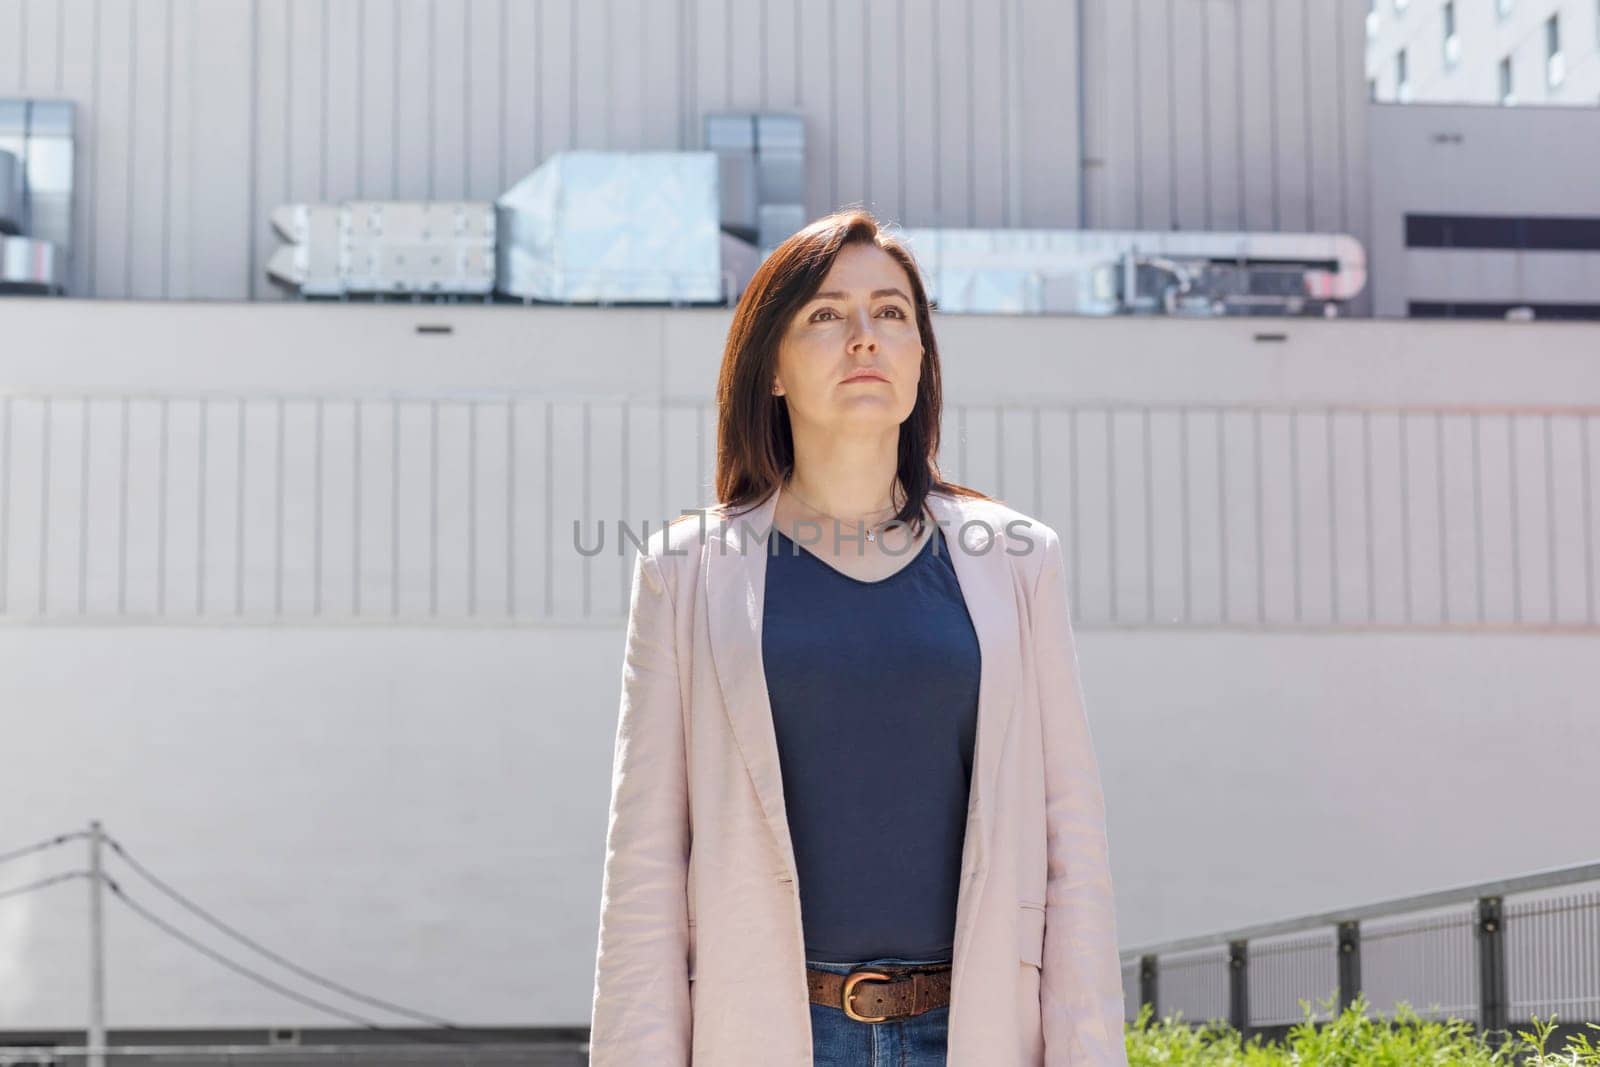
(755, 445)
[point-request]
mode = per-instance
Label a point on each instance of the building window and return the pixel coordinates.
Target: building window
(1507, 96)
(1521, 233)
(1483, 309)
(1402, 84)
(1502, 7)
(1372, 18)
(1452, 40)
(1555, 67)
(1400, 6)
(1372, 88)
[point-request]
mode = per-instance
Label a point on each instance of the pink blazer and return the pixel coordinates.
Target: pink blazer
(701, 958)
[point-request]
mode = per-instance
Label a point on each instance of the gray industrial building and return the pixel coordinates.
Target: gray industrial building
(194, 121)
(196, 118)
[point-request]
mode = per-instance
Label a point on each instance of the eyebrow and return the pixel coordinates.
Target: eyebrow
(836, 294)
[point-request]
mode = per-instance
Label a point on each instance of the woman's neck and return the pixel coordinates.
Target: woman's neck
(847, 483)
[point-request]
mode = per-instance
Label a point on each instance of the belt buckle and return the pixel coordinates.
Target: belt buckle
(854, 979)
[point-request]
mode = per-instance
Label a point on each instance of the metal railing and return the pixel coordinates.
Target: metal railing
(1490, 954)
(111, 868)
(470, 507)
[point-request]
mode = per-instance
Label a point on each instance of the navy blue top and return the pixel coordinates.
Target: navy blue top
(874, 693)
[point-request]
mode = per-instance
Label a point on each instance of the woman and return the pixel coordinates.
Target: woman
(856, 815)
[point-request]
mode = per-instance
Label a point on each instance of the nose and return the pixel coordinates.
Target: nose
(863, 341)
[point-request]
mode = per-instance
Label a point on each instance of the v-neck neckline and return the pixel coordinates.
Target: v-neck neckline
(915, 556)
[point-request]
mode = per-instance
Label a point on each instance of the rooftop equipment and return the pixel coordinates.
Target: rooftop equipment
(36, 152)
(1109, 272)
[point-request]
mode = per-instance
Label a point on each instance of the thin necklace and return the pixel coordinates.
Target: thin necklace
(872, 531)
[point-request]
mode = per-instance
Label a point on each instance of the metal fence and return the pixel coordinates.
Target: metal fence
(509, 508)
(1492, 954)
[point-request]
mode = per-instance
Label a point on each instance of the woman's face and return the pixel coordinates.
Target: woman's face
(851, 357)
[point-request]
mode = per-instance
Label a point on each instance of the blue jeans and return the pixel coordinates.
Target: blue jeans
(840, 1041)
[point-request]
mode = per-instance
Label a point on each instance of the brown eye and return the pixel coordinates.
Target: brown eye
(819, 314)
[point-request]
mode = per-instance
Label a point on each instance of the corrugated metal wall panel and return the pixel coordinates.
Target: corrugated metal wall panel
(1048, 179)
(1291, 117)
(1224, 145)
(746, 75)
(813, 34)
(1325, 106)
(1353, 142)
(13, 45)
(148, 205)
(625, 116)
(592, 103)
(989, 60)
(848, 71)
(1191, 115)
(340, 73)
(1153, 89)
(414, 102)
(882, 104)
(1257, 107)
(224, 115)
(271, 151)
(197, 117)
(1114, 100)
(449, 68)
(41, 37)
(919, 145)
(79, 78)
(374, 111)
(555, 109)
(112, 207)
(952, 129)
(663, 90)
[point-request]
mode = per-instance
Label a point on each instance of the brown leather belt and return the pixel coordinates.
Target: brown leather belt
(883, 992)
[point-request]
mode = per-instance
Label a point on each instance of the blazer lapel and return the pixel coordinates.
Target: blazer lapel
(985, 574)
(735, 571)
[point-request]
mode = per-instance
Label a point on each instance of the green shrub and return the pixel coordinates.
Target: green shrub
(1351, 1039)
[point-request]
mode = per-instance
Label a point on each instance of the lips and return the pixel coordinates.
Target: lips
(866, 376)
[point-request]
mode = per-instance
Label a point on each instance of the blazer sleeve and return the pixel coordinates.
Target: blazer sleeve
(641, 1008)
(1080, 990)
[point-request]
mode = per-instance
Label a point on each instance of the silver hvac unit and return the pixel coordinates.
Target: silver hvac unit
(386, 248)
(762, 174)
(732, 136)
(614, 227)
(1110, 272)
(584, 227)
(36, 153)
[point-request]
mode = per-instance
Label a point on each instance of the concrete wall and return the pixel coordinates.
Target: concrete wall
(416, 807)
(197, 117)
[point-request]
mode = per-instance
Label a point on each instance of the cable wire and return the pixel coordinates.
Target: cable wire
(262, 979)
(326, 983)
(59, 839)
(41, 883)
